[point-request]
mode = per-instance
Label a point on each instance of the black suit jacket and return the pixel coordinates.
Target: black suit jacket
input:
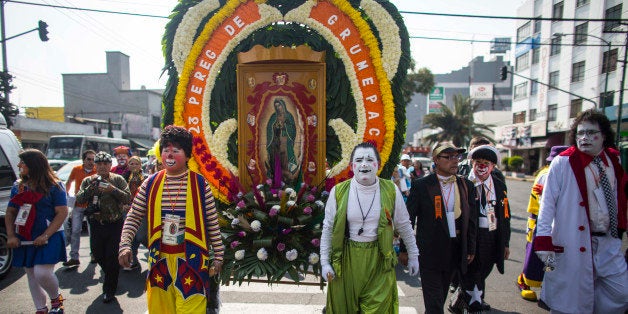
(436, 248)
(502, 213)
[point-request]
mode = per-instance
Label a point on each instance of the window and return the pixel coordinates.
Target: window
(555, 46)
(581, 34)
(553, 79)
(557, 11)
(611, 58)
(536, 55)
(607, 101)
(575, 108)
(534, 87)
(532, 115)
(551, 112)
(522, 62)
(612, 13)
(521, 90)
(580, 3)
(523, 32)
(577, 72)
(519, 117)
(156, 122)
(537, 25)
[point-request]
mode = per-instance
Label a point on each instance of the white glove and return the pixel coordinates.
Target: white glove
(327, 271)
(413, 266)
(545, 255)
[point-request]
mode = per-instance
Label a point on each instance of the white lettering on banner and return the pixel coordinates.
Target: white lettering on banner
(196, 89)
(372, 98)
(199, 76)
(238, 21)
(367, 81)
(332, 20)
(344, 34)
(373, 115)
(193, 101)
(374, 132)
(210, 54)
(362, 65)
(355, 49)
(205, 65)
(230, 30)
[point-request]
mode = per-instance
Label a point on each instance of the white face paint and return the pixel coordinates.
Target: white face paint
(589, 138)
(365, 165)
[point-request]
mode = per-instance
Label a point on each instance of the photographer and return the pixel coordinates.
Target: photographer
(106, 193)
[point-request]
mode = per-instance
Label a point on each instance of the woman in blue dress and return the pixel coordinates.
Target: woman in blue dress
(34, 221)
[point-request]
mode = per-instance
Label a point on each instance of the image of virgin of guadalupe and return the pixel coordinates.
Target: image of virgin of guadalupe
(281, 132)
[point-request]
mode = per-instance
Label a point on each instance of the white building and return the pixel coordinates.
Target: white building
(578, 56)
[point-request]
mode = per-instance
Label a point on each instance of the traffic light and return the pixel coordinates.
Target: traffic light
(43, 31)
(504, 73)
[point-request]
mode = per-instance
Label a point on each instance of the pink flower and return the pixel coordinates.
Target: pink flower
(269, 181)
(242, 234)
(281, 247)
(310, 198)
(316, 242)
(286, 231)
(307, 210)
(234, 244)
(241, 204)
(273, 211)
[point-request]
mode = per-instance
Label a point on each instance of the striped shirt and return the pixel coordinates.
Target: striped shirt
(173, 201)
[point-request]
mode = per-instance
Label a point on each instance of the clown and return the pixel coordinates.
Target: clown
(182, 227)
(492, 246)
(360, 269)
(581, 221)
(122, 154)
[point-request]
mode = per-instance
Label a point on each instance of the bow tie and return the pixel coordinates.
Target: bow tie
(451, 179)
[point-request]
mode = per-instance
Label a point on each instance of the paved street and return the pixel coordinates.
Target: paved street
(82, 286)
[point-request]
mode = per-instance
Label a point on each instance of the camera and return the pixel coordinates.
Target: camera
(93, 207)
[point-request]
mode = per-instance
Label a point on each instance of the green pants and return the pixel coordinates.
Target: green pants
(363, 287)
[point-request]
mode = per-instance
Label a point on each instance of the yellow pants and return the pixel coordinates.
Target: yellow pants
(171, 300)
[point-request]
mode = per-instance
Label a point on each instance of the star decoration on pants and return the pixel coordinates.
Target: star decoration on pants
(476, 295)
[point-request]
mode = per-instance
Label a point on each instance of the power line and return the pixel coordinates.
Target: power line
(90, 10)
(502, 17)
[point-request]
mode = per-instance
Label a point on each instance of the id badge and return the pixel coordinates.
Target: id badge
(490, 215)
(171, 233)
(22, 214)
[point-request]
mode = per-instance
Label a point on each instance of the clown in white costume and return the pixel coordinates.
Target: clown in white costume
(581, 222)
(357, 255)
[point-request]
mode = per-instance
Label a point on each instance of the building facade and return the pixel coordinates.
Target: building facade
(562, 67)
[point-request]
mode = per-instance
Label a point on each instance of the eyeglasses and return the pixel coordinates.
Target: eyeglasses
(583, 133)
(451, 157)
(89, 159)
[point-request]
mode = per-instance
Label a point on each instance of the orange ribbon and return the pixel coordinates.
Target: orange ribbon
(438, 207)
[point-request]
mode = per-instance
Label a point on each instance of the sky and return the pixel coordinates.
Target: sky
(79, 40)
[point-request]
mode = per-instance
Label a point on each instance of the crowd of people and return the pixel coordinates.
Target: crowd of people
(452, 225)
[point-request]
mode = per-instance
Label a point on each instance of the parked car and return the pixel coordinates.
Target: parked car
(55, 164)
(9, 150)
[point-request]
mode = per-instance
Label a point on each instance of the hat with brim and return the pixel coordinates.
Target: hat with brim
(486, 152)
(446, 148)
(405, 157)
(102, 157)
(556, 150)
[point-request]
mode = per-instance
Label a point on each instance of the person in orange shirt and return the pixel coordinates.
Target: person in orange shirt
(76, 177)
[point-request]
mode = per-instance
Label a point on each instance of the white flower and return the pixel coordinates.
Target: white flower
(290, 203)
(256, 225)
(320, 204)
(292, 255)
(235, 222)
(262, 255)
(239, 255)
(313, 258)
(292, 194)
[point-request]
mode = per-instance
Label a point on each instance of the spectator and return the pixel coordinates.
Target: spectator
(416, 171)
(400, 182)
(134, 178)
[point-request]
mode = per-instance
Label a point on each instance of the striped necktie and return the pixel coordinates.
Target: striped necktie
(609, 196)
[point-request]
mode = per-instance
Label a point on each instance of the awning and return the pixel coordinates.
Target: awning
(143, 144)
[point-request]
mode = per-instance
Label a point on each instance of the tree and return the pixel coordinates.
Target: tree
(8, 110)
(421, 82)
(455, 126)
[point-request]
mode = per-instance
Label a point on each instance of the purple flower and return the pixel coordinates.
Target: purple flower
(310, 198)
(242, 234)
(274, 211)
(307, 210)
(234, 244)
(316, 242)
(314, 189)
(286, 231)
(269, 181)
(281, 247)
(241, 204)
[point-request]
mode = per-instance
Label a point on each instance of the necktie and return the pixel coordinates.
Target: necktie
(483, 197)
(451, 179)
(609, 196)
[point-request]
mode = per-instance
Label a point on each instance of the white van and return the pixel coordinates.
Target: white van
(9, 149)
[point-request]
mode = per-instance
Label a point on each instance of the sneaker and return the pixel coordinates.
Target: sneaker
(56, 305)
(107, 298)
(71, 262)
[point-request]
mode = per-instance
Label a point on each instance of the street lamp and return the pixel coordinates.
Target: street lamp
(606, 61)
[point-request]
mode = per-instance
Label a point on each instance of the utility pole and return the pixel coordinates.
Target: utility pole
(5, 66)
(621, 94)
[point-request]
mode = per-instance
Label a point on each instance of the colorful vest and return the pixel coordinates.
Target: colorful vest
(384, 228)
(197, 262)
